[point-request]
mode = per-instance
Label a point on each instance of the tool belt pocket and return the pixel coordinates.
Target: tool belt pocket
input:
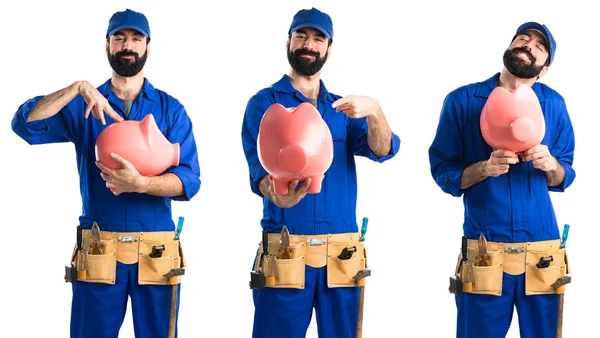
(97, 264)
(341, 270)
(158, 258)
(543, 268)
(288, 273)
(484, 279)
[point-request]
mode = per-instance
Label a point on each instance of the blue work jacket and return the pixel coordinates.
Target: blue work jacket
(333, 210)
(513, 207)
(128, 212)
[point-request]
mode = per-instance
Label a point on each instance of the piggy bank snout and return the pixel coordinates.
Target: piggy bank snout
(522, 129)
(292, 158)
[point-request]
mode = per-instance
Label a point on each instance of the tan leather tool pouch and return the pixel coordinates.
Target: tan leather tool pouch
(288, 273)
(152, 270)
(96, 268)
(538, 281)
(340, 272)
(485, 280)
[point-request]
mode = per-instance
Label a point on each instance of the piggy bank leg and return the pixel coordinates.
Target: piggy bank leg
(315, 184)
(280, 187)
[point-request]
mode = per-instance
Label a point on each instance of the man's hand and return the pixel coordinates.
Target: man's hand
(126, 179)
(541, 158)
(293, 196)
(499, 162)
(97, 103)
(357, 106)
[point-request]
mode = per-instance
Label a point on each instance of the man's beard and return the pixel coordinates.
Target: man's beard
(517, 66)
(127, 67)
(305, 66)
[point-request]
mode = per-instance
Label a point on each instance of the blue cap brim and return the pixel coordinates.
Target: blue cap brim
(127, 26)
(311, 25)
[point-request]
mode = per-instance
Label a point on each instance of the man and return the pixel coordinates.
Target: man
(506, 197)
(359, 127)
(133, 212)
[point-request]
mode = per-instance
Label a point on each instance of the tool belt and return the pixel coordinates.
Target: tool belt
(514, 259)
(315, 251)
(156, 253)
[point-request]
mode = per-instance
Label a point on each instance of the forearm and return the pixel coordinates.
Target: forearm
(263, 186)
(474, 174)
(556, 176)
(379, 135)
(167, 185)
(53, 103)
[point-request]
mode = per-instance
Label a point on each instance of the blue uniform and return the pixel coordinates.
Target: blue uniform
(287, 312)
(514, 207)
(98, 309)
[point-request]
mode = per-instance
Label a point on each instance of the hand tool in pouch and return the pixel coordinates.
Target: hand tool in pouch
(285, 252)
(359, 278)
(257, 277)
(171, 276)
(559, 286)
(483, 258)
(456, 281)
(179, 228)
(71, 271)
(347, 253)
(96, 248)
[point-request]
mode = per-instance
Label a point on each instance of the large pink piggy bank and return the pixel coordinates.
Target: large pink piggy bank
(294, 144)
(514, 120)
(139, 142)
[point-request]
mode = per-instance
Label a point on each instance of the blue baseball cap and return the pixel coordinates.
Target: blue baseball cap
(315, 19)
(128, 19)
(542, 29)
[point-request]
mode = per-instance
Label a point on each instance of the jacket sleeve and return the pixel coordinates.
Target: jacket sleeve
(55, 129)
(188, 170)
(255, 110)
(563, 147)
(446, 155)
(358, 132)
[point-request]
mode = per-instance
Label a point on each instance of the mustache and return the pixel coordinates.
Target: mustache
(307, 52)
(525, 51)
(127, 53)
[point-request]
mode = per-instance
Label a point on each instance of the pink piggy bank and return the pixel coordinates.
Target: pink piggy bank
(139, 142)
(294, 144)
(514, 120)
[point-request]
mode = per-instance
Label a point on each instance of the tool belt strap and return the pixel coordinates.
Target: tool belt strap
(317, 246)
(128, 242)
(514, 254)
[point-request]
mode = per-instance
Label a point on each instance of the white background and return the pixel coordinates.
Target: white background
(213, 56)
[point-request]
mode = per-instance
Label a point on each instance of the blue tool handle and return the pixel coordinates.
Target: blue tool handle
(179, 228)
(363, 229)
(565, 235)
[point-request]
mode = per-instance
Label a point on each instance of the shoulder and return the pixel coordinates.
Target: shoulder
(549, 93)
(467, 90)
(262, 99)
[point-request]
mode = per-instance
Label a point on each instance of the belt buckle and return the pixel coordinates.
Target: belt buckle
(516, 250)
(128, 239)
(315, 241)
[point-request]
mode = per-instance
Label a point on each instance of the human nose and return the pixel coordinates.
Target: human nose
(528, 44)
(127, 44)
(309, 44)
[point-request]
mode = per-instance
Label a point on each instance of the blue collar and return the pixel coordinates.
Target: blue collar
(285, 86)
(485, 88)
(147, 90)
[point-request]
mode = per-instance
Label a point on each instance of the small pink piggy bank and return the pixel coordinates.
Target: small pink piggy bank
(139, 142)
(514, 120)
(294, 144)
